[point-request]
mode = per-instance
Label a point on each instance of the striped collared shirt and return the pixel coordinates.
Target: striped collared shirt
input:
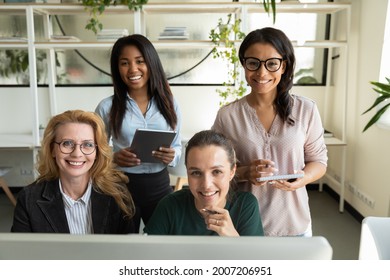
(78, 212)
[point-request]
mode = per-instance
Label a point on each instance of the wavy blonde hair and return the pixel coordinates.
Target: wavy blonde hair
(105, 177)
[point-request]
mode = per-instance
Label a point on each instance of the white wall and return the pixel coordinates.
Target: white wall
(198, 104)
(367, 153)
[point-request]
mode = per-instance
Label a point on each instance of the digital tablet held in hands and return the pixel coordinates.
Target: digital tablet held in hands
(287, 177)
(148, 140)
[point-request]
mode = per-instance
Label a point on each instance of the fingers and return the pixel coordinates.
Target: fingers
(261, 168)
(263, 163)
(166, 155)
(284, 185)
(218, 222)
(126, 158)
(216, 217)
(221, 224)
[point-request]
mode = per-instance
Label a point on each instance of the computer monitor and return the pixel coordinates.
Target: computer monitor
(40, 246)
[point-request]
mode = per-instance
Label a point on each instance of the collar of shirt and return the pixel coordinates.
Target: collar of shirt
(151, 107)
(69, 202)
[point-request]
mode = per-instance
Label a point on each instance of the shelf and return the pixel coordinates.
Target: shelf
(193, 8)
(200, 7)
(162, 44)
(332, 141)
(13, 45)
(318, 8)
(320, 44)
(12, 141)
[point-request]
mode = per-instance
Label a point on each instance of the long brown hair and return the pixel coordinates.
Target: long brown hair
(105, 177)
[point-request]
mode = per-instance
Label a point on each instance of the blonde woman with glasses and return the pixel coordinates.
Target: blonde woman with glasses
(78, 189)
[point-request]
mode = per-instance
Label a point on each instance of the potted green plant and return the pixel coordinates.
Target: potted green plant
(223, 37)
(382, 100)
(97, 7)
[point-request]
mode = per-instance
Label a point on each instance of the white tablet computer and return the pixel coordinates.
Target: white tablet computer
(147, 140)
(287, 177)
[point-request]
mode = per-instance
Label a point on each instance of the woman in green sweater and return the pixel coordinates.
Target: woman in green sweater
(211, 205)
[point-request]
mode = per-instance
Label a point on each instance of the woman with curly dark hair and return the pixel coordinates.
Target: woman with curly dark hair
(274, 131)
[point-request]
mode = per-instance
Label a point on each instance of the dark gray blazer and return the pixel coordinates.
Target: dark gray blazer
(40, 208)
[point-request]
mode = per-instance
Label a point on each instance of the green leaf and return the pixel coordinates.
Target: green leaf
(379, 100)
(273, 10)
(96, 8)
(24, 63)
(376, 117)
(266, 5)
(384, 94)
(383, 88)
(270, 4)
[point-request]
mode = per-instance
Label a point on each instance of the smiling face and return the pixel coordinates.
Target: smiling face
(209, 174)
(75, 164)
(262, 81)
(133, 69)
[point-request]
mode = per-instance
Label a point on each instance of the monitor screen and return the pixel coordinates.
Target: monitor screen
(41, 246)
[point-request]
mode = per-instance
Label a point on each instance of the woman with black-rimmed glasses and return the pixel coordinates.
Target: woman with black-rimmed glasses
(275, 132)
(78, 189)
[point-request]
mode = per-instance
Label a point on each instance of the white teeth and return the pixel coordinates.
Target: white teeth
(263, 81)
(75, 163)
(208, 193)
(135, 78)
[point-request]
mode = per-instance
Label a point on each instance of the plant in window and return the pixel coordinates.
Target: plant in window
(15, 63)
(384, 96)
(12, 62)
(305, 76)
(97, 7)
(223, 37)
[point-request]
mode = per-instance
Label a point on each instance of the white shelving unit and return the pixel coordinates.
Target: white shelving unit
(139, 20)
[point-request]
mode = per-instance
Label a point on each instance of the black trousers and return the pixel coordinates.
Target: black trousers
(147, 190)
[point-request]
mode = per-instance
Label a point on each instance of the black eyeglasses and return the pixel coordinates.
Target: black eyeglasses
(271, 64)
(68, 146)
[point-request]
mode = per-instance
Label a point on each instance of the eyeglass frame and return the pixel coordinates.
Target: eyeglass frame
(263, 61)
(74, 147)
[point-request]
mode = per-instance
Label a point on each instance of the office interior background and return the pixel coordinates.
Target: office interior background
(358, 162)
